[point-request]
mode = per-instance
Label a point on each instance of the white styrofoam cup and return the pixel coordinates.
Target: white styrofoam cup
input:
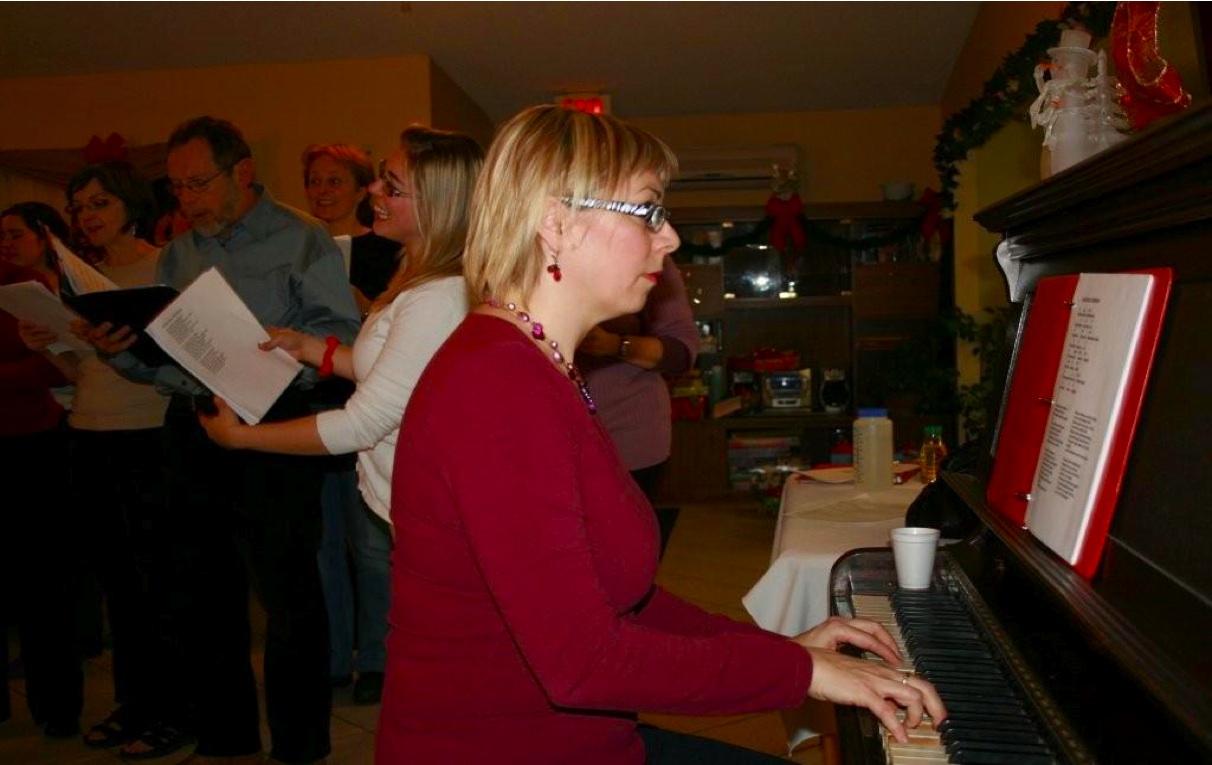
(913, 552)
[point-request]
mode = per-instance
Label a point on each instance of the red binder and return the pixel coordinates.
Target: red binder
(1025, 417)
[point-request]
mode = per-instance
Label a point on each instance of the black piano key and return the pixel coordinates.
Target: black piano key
(985, 707)
(961, 673)
(968, 693)
(1001, 758)
(989, 723)
(953, 653)
(959, 751)
(965, 732)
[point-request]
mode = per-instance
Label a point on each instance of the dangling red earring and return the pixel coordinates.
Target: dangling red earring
(554, 269)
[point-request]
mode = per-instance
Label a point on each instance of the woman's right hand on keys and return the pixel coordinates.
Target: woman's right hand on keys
(842, 679)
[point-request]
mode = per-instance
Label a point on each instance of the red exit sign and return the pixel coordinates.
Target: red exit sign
(593, 103)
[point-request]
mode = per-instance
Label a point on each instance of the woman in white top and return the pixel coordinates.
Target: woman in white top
(420, 200)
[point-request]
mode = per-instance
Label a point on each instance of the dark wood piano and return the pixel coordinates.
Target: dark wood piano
(1116, 669)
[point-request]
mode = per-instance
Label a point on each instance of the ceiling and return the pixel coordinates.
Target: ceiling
(653, 58)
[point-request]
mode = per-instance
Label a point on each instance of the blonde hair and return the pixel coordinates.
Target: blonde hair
(541, 153)
(443, 166)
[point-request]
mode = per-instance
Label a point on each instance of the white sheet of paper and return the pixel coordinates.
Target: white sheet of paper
(32, 301)
(80, 275)
(213, 335)
(1104, 331)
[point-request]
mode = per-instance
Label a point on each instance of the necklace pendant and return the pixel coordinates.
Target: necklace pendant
(539, 335)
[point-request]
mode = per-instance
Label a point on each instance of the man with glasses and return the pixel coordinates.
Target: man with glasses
(289, 272)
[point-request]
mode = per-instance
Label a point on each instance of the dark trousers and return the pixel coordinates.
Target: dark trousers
(38, 577)
(118, 478)
(665, 747)
(263, 511)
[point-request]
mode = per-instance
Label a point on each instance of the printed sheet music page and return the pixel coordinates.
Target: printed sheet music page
(1100, 344)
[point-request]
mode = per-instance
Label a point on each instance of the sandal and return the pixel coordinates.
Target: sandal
(114, 730)
(159, 740)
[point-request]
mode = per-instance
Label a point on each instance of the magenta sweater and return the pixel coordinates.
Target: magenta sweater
(525, 625)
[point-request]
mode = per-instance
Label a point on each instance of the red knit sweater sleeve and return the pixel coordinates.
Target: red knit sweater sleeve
(536, 482)
(666, 611)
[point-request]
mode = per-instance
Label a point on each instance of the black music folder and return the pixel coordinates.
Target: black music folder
(133, 307)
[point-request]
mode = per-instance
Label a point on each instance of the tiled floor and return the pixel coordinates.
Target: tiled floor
(716, 553)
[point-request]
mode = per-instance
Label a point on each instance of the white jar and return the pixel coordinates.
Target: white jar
(873, 450)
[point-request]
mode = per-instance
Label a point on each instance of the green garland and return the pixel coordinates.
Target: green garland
(1010, 89)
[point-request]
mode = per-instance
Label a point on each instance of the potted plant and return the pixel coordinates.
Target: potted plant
(978, 403)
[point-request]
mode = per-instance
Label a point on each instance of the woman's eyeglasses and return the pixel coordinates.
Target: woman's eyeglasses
(389, 186)
(96, 204)
(653, 215)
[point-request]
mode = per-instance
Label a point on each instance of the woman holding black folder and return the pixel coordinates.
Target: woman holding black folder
(117, 475)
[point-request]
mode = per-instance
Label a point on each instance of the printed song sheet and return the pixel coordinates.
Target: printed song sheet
(32, 301)
(213, 335)
(1100, 344)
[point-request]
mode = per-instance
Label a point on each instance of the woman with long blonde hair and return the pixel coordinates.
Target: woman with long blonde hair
(421, 200)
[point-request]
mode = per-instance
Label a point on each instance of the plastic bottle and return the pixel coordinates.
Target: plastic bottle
(932, 453)
(873, 450)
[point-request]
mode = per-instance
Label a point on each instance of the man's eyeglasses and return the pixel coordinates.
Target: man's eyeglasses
(389, 186)
(653, 215)
(195, 185)
(97, 204)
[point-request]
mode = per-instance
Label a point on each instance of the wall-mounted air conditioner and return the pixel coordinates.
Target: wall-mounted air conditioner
(733, 167)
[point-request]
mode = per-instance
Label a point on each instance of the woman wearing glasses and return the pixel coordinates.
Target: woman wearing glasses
(420, 200)
(525, 620)
(117, 473)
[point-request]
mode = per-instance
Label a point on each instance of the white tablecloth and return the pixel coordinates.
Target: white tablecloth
(818, 522)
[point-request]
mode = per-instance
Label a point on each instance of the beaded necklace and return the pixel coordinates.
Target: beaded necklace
(540, 337)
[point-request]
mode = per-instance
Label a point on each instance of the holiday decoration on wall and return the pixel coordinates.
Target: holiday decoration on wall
(785, 208)
(112, 149)
(1008, 91)
(1080, 114)
(1152, 88)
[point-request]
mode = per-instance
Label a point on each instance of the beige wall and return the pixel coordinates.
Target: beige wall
(452, 109)
(844, 155)
(999, 29)
(280, 107)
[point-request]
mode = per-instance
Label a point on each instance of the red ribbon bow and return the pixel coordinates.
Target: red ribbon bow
(786, 221)
(112, 149)
(933, 221)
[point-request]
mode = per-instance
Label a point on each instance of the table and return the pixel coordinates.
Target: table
(818, 522)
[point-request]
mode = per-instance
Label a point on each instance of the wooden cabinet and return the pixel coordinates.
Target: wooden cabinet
(840, 305)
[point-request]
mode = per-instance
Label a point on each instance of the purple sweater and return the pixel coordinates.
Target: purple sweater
(633, 403)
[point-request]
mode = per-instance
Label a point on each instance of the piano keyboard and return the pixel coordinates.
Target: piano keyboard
(988, 721)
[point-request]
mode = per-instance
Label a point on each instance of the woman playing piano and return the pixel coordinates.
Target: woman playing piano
(526, 626)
